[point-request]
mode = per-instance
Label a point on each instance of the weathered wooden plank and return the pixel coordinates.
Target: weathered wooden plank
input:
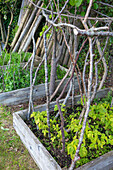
(22, 95)
(104, 162)
(38, 152)
(100, 94)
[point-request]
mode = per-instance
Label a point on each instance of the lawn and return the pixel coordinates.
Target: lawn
(13, 154)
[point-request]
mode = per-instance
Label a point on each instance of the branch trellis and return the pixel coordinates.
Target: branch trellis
(92, 35)
(63, 46)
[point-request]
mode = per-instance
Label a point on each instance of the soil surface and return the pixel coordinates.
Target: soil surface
(23, 106)
(62, 158)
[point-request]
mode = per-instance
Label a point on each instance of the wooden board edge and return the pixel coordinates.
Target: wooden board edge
(34, 146)
(104, 162)
(20, 96)
(100, 94)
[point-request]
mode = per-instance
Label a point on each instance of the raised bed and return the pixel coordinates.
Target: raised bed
(39, 153)
(20, 96)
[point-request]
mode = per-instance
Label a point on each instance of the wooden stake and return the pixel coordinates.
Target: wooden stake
(20, 26)
(28, 37)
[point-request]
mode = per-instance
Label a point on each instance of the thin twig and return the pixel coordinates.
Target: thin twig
(61, 82)
(106, 4)
(66, 98)
(47, 86)
(31, 108)
(80, 31)
(72, 16)
(89, 92)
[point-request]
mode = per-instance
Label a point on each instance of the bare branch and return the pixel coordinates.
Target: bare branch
(100, 13)
(66, 98)
(88, 10)
(46, 85)
(104, 62)
(31, 108)
(106, 4)
(89, 91)
(53, 95)
(80, 31)
(101, 58)
(87, 109)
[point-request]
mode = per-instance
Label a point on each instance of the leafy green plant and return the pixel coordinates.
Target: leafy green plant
(14, 57)
(98, 137)
(43, 30)
(14, 77)
(76, 3)
(40, 119)
(98, 132)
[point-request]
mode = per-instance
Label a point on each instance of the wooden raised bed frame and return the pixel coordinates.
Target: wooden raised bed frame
(39, 153)
(20, 96)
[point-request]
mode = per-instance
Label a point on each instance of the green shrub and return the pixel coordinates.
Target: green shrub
(14, 57)
(14, 77)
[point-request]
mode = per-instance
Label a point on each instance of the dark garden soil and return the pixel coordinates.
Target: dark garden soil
(16, 108)
(62, 158)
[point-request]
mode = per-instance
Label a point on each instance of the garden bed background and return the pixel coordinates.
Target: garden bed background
(21, 95)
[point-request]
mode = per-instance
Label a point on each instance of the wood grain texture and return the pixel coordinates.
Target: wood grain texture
(100, 94)
(104, 162)
(38, 152)
(22, 95)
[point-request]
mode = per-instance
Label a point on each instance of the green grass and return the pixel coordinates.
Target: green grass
(13, 154)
